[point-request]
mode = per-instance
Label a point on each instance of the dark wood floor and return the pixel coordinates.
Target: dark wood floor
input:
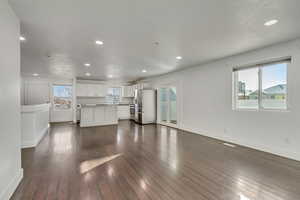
(156, 162)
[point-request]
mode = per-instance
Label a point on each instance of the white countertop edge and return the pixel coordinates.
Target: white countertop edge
(94, 105)
(35, 108)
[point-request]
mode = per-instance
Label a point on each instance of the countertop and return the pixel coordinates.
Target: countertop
(35, 108)
(105, 104)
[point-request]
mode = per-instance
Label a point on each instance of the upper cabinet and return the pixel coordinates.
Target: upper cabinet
(100, 90)
(81, 90)
(91, 90)
(128, 91)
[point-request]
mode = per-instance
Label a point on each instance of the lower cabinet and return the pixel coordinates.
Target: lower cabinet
(123, 112)
(98, 115)
(87, 114)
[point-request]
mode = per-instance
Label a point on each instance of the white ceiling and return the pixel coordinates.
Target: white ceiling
(197, 30)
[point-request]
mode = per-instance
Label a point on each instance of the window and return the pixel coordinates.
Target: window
(274, 90)
(261, 86)
(113, 95)
(247, 95)
(62, 97)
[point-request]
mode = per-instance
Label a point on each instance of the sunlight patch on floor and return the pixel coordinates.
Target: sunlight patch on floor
(91, 164)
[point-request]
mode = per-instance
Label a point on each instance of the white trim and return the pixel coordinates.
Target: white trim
(35, 108)
(159, 121)
(91, 124)
(74, 99)
(260, 92)
(34, 143)
(286, 59)
(260, 147)
(168, 124)
(12, 186)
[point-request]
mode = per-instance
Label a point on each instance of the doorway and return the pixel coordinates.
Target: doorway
(61, 103)
(167, 106)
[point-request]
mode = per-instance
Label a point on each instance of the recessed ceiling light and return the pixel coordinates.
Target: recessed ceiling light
(178, 57)
(144, 71)
(110, 76)
(99, 42)
(271, 22)
(87, 64)
(35, 74)
(88, 74)
(22, 38)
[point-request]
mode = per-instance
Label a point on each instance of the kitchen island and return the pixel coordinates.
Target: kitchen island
(98, 115)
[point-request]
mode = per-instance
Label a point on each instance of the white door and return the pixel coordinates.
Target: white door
(61, 103)
(167, 106)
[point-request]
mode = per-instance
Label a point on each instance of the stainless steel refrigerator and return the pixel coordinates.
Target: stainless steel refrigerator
(145, 106)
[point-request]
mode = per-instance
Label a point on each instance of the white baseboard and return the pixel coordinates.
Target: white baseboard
(28, 144)
(34, 143)
(91, 124)
(12, 186)
(261, 147)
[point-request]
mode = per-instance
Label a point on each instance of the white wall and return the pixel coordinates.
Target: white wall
(205, 103)
(10, 135)
(35, 91)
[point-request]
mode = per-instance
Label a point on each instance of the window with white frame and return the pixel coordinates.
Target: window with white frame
(62, 97)
(261, 87)
(113, 95)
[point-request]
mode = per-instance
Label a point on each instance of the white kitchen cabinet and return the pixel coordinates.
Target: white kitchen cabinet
(87, 114)
(142, 86)
(91, 90)
(128, 91)
(100, 90)
(98, 115)
(124, 91)
(110, 113)
(123, 112)
(81, 90)
(131, 91)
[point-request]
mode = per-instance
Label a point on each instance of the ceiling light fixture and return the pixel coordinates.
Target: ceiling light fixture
(110, 76)
(35, 74)
(144, 71)
(22, 38)
(178, 57)
(271, 22)
(88, 74)
(87, 64)
(99, 42)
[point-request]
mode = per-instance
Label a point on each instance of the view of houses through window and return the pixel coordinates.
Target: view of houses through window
(261, 87)
(62, 97)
